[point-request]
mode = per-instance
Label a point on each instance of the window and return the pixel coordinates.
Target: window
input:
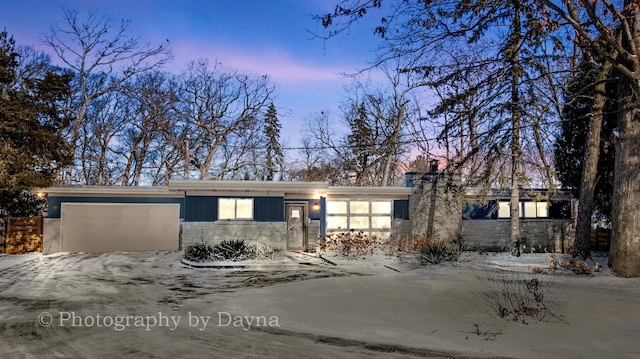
(235, 208)
(527, 210)
(369, 216)
(337, 207)
(541, 209)
(530, 210)
(504, 210)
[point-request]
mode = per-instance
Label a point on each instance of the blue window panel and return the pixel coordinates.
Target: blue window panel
(268, 209)
(201, 209)
(477, 210)
(401, 209)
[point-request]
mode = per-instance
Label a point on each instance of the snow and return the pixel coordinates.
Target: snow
(301, 306)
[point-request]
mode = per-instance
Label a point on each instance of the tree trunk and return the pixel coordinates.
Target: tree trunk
(590, 168)
(624, 255)
(516, 116)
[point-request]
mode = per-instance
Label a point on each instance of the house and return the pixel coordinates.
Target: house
(289, 215)
(293, 215)
(482, 220)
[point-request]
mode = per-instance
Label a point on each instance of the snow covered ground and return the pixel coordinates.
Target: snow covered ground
(151, 305)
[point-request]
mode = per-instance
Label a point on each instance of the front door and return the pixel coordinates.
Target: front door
(295, 215)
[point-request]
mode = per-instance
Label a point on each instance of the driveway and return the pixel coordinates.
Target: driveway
(150, 305)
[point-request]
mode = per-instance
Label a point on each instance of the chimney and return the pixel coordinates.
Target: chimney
(408, 178)
(434, 165)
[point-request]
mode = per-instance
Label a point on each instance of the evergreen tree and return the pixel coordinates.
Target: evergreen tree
(362, 144)
(274, 155)
(574, 127)
(31, 148)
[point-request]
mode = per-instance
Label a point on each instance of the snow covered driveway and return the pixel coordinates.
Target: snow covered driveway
(149, 305)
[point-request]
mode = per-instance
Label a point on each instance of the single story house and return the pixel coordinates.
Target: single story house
(289, 215)
(293, 215)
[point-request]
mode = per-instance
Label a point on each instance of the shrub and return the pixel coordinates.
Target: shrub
(271, 252)
(401, 246)
(199, 253)
(350, 244)
(438, 251)
(518, 297)
(577, 266)
(235, 250)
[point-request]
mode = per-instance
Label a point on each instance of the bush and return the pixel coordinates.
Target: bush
(350, 244)
(577, 266)
(518, 297)
(199, 253)
(234, 250)
(438, 251)
(271, 252)
(401, 246)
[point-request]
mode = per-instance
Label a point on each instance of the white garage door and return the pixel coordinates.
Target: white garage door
(107, 227)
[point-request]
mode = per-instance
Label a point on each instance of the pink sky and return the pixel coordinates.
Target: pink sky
(264, 37)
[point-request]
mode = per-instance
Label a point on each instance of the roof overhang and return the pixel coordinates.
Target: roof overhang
(248, 186)
(380, 192)
(110, 191)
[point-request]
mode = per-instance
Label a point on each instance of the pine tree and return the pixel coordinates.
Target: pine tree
(31, 148)
(274, 156)
(362, 144)
(590, 86)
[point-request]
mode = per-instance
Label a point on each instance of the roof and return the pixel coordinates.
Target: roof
(110, 191)
(369, 191)
(248, 186)
(179, 188)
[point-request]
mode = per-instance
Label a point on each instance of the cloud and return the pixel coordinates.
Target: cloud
(277, 64)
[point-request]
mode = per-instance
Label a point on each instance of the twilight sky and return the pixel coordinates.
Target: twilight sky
(269, 37)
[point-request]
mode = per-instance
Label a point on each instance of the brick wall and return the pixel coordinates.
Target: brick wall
(537, 235)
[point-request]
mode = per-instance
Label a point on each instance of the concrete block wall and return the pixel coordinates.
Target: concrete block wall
(313, 232)
(435, 211)
(401, 228)
(51, 236)
(261, 233)
(537, 235)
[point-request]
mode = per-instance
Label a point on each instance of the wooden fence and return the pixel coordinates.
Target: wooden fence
(600, 239)
(23, 234)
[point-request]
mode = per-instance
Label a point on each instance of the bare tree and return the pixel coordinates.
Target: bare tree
(217, 104)
(102, 57)
(149, 109)
(375, 120)
(105, 119)
(496, 80)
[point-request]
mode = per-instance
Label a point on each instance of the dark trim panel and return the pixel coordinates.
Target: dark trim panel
(401, 209)
(55, 202)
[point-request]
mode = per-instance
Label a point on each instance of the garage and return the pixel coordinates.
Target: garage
(106, 227)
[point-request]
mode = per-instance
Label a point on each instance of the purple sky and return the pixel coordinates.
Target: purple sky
(263, 36)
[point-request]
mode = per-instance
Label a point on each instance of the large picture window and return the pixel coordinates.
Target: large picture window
(372, 217)
(235, 208)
